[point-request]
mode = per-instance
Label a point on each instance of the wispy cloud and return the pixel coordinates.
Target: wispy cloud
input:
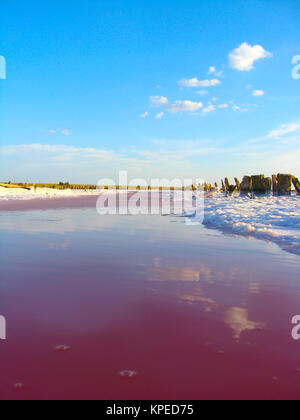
(244, 57)
(258, 93)
(56, 151)
(162, 158)
(64, 131)
(189, 83)
(283, 130)
(202, 92)
(53, 163)
(175, 107)
(279, 133)
(158, 100)
(241, 108)
(213, 70)
(182, 106)
(208, 109)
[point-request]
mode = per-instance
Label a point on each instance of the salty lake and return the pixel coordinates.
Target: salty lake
(143, 307)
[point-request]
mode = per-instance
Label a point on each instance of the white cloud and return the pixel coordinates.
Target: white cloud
(66, 132)
(180, 106)
(145, 115)
(223, 106)
(189, 82)
(198, 83)
(242, 108)
(209, 83)
(213, 70)
(59, 151)
(283, 130)
(279, 133)
(174, 151)
(158, 100)
(258, 93)
(244, 57)
(177, 106)
(159, 115)
(208, 109)
(202, 92)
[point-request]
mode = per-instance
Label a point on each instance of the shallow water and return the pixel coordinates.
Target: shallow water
(147, 307)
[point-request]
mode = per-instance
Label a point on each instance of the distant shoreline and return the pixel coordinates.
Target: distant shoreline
(82, 187)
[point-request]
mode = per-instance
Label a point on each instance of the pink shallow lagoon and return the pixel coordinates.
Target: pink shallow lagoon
(143, 307)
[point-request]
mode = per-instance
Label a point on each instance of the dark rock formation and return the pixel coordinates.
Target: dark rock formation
(209, 187)
(246, 185)
(274, 183)
(281, 184)
(296, 184)
(257, 183)
(227, 184)
(228, 187)
(237, 183)
(260, 184)
(269, 184)
(284, 184)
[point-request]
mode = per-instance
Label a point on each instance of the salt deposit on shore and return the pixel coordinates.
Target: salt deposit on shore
(42, 193)
(271, 218)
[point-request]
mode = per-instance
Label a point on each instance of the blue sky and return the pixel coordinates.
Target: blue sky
(159, 88)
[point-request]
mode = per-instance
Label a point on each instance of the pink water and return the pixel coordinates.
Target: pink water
(192, 314)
